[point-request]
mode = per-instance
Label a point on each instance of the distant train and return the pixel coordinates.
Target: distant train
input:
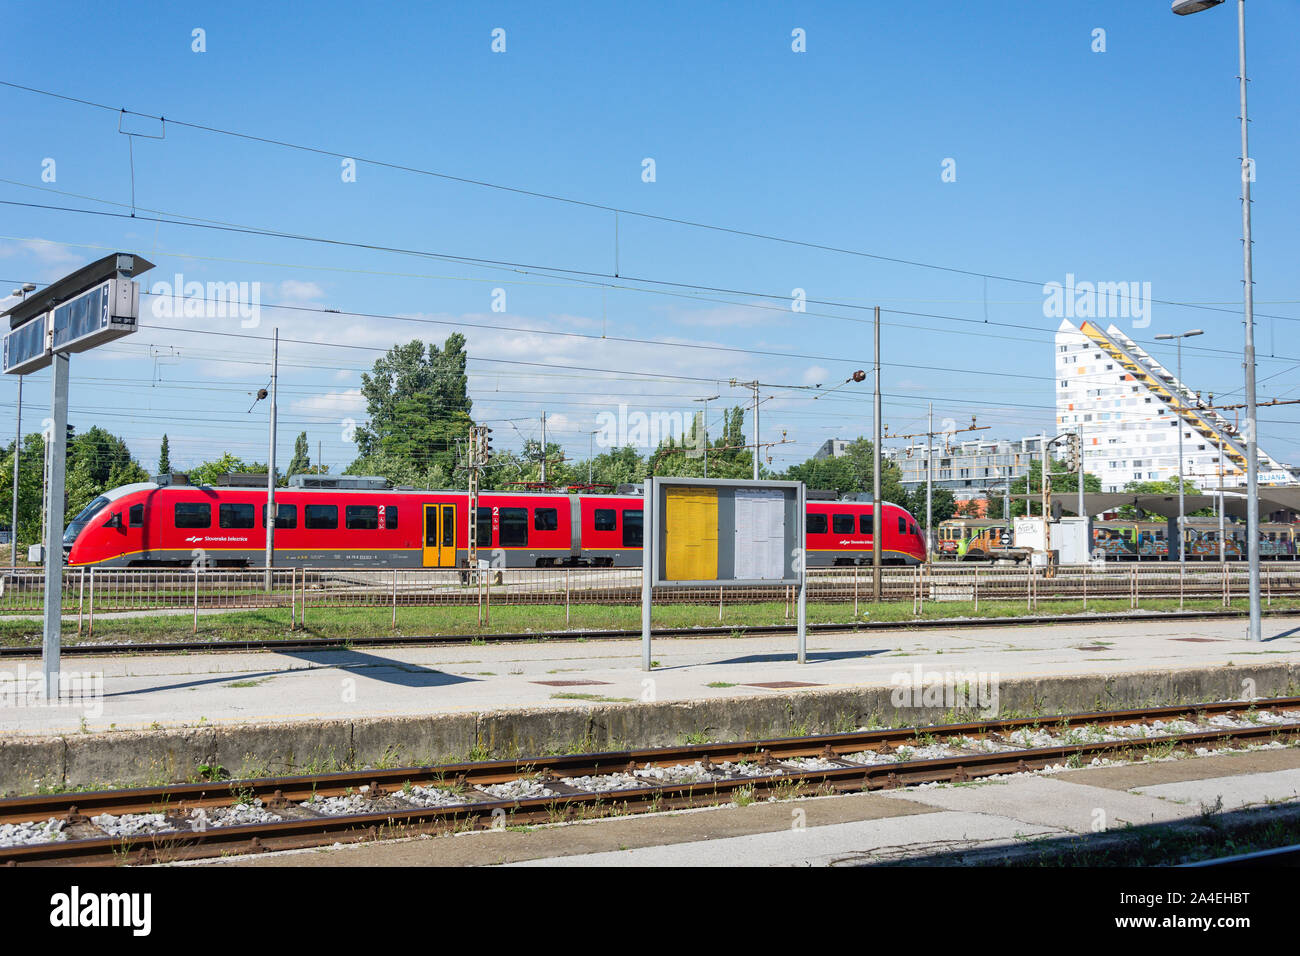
(374, 526)
(975, 539)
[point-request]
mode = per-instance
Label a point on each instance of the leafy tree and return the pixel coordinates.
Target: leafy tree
(1166, 487)
(418, 405)
(164, 458)
(301, 461)
(211, 472)
(31, 467)
(834, 474)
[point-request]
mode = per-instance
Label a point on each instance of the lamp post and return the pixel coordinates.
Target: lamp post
(1182, 538)
(706, 429)
(18, 444)
(1254, 631)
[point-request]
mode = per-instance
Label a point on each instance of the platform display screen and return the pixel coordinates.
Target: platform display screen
(25, 347)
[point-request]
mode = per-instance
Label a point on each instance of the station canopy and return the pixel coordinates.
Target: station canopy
(1271, 499)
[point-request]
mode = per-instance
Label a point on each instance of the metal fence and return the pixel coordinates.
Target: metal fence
(91, 591)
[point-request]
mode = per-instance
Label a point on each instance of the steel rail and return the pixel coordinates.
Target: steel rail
(847, 777)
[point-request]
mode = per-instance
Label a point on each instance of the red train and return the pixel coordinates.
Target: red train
(377, 527)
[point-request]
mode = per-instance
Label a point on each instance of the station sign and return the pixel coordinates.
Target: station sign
(101, 314)
(27, 348)
(727, 531)
(106, 312)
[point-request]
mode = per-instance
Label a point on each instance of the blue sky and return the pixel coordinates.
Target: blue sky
(1113, 166)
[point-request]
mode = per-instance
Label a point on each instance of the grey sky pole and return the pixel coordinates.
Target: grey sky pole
(543, 447)
(803, 575)
(757, 447)
(1255, 632)
(929, 484)
(18, 446)
(876, 452)
(270, 465)
(1082, 472)
(1182, 512)
(58, 445)
(649, 537)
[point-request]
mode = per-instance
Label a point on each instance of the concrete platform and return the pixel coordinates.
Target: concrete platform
(161, 717)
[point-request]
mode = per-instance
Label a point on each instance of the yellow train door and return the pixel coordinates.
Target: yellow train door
(439, 536)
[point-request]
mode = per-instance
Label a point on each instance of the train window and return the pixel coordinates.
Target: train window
(606, 519)
(546, 519)
(286, 516)
(902, 525)
(235, 515)
(137, 516)
(842, 524)
(633, 532)
(514, 527)
(361, 517)
(321, 517)
(483, 529)
(390, 517)
(448, 525)
(816, 524)
(864, 523)
(193, 514)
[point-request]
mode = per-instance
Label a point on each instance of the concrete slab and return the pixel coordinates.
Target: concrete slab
(841, 844)
(1280, 786)
(1066, 807)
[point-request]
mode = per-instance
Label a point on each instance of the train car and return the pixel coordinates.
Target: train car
(839, 533)
(974, 539)
(147, 524)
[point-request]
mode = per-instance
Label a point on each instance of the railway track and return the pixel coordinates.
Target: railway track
(430, 640)
(192, 821)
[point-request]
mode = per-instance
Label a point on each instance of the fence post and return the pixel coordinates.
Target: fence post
(394, 598)
(1181, 568)
(81, 599)
(1227, 586)
(1268, 585)
(196, 598)
(302, 605)
(90, 624)
(1085, 588)
(1133, 590)
(720, 606)
(855, 589)
(566, 595)
(1029, 588)
(977, 589)
(293, 599)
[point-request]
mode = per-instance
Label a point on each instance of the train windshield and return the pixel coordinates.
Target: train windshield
(92, 509)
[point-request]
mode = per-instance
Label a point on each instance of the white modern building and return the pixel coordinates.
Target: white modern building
(1129, 408)
(969, 469)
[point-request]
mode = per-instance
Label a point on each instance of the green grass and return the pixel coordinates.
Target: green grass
(360, 622)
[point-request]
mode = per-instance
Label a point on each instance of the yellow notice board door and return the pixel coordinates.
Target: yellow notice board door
(691, 534)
